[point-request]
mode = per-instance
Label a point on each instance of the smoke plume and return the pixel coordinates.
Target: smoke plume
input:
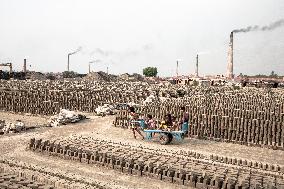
(96, 61)
(79, 49)
(271, 26)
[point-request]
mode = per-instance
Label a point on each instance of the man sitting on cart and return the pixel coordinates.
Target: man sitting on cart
(167, 123)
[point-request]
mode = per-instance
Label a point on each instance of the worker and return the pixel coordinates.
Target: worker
(151, 123)
(175, 123)
(134, 122)
(184, 120)
(167, 123)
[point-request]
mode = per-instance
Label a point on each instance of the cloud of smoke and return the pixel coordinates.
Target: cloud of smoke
(96, 61)
(79, 49)
(271, 26)
(127, 52)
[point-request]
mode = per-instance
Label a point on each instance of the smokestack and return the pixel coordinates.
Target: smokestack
(177, 69)
(89, 67)
(230, 74)
(25, 66)
(79, 49)
(68, 62)
(196, 68)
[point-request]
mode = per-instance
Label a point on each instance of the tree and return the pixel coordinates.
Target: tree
(150, 72)
(273, 74)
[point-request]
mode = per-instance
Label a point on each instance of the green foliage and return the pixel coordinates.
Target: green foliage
(273, 74)
(150, 72)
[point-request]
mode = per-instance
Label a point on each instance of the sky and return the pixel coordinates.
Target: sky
(129, 35)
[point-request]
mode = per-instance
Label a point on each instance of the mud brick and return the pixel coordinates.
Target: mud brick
(62, 151)
(77, 156)
(129, 164)
(159, 173)
(155, 174)
(117, 165)
(230, 184)
(31, 144)
(215, 183)
(37, 144)
(190, 179)
(43, 145)
(48, 149)
(55, 150)
(68, 154)
(178, 178)
(147, 170)
(109, 163)
(136, 170)
(94, 158)
(171, 174)
(85, 157)
(278, 134)
(165, 177)
(206, 181)
(199, 183)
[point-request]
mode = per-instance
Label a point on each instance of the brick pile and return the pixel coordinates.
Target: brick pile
(182, 167)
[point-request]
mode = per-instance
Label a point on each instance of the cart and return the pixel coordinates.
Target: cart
(165, 137)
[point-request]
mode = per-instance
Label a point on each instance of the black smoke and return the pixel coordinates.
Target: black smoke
(79, 49)
(269, 27)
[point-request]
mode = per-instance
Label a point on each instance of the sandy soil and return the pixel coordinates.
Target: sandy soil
(13, 146)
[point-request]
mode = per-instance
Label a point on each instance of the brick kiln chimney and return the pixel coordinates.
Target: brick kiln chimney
(25, 66)
(196, 67)
(230, 74)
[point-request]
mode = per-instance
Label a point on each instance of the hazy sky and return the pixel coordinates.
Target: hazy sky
(128, 35)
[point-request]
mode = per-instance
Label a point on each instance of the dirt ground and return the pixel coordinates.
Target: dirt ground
(13, 146)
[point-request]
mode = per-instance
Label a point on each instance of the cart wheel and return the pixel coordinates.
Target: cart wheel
(182, 136)
(170, 137)
(164, 139)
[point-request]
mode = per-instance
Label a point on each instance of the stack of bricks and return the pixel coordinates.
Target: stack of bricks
(47, 98)
(184, 168)
(250, 117)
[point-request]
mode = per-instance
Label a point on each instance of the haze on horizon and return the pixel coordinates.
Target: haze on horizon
(128, 35)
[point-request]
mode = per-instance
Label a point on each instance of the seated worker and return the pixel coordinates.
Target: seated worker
(151, 123)
(134, 122)
(167, 123)
(184, 120)
(175, 123)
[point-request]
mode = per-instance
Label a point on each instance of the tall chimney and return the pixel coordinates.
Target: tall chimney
(196, 68)
(230, 74)
(177, 69)
(25, 66)
(89, 67)
(68, 62)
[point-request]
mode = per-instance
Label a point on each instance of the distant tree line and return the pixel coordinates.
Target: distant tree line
(272, 75)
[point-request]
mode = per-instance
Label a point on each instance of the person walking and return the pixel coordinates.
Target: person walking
(134, 122)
